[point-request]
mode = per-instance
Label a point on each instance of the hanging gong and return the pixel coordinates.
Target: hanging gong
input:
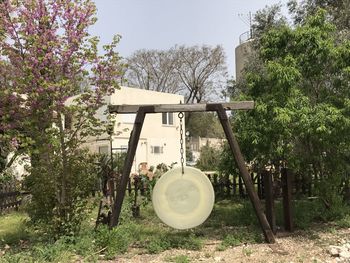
(183, 201)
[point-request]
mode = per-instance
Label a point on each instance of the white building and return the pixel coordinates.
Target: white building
(160, 136)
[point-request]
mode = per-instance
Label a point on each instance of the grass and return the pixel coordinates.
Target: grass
(232, 221)
(344, 222)
(178, 259)
(12, 228)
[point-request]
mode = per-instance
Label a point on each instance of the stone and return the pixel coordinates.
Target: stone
(334, 250)
(344, 254)
(217, 259)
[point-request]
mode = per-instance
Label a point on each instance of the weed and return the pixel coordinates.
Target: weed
(13, 229)
(232, 221)
(115, 241)
(178, 259)
(307, 212)
(344, 222)
(240, 235)
(247, 252)
(166, 240)
(229, 240)
(232, 213)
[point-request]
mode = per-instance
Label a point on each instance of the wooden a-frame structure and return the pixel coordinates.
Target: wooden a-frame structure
(220, 108)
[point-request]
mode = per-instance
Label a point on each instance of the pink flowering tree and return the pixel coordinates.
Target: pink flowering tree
(46, 57)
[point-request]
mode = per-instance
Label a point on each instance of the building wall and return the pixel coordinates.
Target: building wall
(19, 168)
(159, 143)
(241, 54)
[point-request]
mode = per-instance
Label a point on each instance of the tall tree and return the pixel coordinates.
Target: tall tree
(50, 54)
(153, 70)
(202, 71)
(266, 19)
(338, 12)
(300, 82)
(197, 72)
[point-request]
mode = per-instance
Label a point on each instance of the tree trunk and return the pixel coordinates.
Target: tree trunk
(64, 172)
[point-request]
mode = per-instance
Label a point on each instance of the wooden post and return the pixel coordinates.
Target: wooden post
(269, 236)
(135, 136)
(269, 199)
(286, 178)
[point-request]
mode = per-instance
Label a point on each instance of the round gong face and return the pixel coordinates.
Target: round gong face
(183, 201)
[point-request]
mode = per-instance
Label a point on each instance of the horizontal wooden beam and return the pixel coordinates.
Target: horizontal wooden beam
(239, 105)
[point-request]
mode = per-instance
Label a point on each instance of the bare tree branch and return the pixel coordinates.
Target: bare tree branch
(197, 72)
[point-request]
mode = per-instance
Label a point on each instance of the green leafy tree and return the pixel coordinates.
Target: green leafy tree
(300, 83)
(338, 12)
(209, 159)
(204, 124)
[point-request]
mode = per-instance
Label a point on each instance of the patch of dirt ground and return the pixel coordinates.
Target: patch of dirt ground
(300, 246)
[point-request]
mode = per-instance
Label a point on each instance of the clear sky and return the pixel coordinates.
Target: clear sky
(161, 24)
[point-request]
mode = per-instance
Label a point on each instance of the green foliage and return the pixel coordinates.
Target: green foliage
(44, 88)
(266, 19)
(12, 228)
(299, 79)
(345, 221)
(178, 259)
(338, 12)
(115, 241)
(42, 182)
(239, 236)
(232, 221)
(209, 159)
(305, 213)
(180, 240)
(226, 163)
(204, 124)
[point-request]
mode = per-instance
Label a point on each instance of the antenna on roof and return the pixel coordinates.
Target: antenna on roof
(247, 19)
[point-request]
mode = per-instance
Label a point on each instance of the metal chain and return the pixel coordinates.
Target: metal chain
(181, 115)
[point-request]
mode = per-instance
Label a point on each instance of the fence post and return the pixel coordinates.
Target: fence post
(240, 187)
(286, 178)
(227, 184)
(234, 185)
(269, 199)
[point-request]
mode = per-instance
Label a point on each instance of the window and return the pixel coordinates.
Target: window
(157, 149)
(103, 150)
(167, 118)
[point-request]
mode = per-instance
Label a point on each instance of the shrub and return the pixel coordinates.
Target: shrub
(47, 208)
(117, 240)
(166, 240)
(209, 159)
